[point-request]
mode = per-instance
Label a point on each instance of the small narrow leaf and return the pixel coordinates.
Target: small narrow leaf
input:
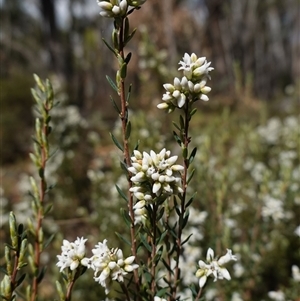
(115, 105)
(123, 238)
(41, 274)
(176, 125)
(109, 47)
(125, 217)
(177, 138)
(193, 112)
(128, 130)
(48, 241)
(129, 93)
(112, 84)
(116, 142)
(193, 154)
(128, 57)
(145, 243)
(181, 120)
(123, 70)
(20, 280)
(130, 36)
(186, 240)
(191, 176)
(122, 194)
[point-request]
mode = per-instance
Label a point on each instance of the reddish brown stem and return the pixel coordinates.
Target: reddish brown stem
(40, 215)
(186, 142)
(126, 151)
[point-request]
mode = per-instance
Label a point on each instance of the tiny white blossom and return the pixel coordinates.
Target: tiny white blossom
(159, 299)
(277, 296)
(296, 273)
(112, 10)
(155, 175)
(191, 87)
(214, 267)
(109, 264)
(72, 254)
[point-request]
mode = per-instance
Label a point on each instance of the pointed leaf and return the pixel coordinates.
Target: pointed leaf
(112, 84)
(109, 47)
(177, 138)
(193, 154)
(191, 176)
(115, 105)
(20, 280)
(126, 217)
(128, 130)
(48, 241)
(122, 194)
(116, 142)
(123, 238)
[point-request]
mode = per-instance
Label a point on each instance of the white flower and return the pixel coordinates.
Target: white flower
(277, 296)
(193, 66)
(296, 273)
(155, 175)
(109, 265)
(114, 9)
(72, 254)
(191, 87)
(297, 231)
(136, 3)
(214, 267)
(140, 212)
(159, 299)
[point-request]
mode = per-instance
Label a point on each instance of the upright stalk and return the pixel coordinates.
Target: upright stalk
(186, 141)
(126, 150)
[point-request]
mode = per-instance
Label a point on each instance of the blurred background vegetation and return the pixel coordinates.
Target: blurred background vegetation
(253, 46)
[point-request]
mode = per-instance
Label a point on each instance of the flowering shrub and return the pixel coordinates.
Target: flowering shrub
(167, 226)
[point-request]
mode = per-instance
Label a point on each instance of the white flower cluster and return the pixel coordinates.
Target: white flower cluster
(154, 175)
(191, 86)
(109, 264)
(117, 8)
(214, 267)
(72, 254)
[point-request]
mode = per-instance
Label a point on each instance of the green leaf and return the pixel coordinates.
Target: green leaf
(109, 47)
(123, 70)
(186, 240)
(167, 266)
(20, 280)
(122, 194)
(193, 154)
(115, 105)
(47, 209)
(177, 138)
(145, 243)
(48, 241)
(41, 274)
(193, 112)
(128, 57)
(123, 238)
(176, 125)
(112, 84)
(190, 200)
(126, 27)
(128, 130)
(126, 217)
(191, 176)
(130, 36)
(162, 237)
(181, 120)
(116, 142)
(129, 93)
(124, 166)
